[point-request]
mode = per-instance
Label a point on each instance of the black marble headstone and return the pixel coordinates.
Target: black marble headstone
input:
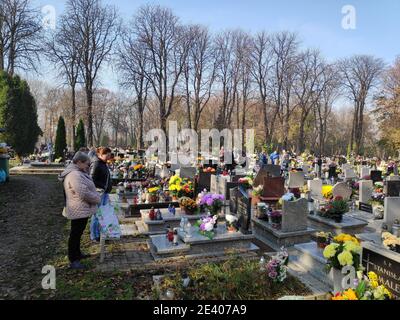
(244, 211)
(376, 176)
(393, 188)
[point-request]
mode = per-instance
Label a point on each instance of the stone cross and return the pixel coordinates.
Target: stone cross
(366, 188)
(392, 211)
(342, 190)
(294, 215)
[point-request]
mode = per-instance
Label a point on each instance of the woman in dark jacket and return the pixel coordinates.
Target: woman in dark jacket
(99, 170)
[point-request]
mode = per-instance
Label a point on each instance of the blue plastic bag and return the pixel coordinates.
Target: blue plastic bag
(3, 176)
(94, 222)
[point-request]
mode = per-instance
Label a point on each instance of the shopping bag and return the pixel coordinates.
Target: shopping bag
(107, 219)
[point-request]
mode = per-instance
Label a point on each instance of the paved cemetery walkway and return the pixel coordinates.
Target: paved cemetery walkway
(31, 229)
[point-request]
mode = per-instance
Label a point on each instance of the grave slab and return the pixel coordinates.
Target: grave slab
(349, 225)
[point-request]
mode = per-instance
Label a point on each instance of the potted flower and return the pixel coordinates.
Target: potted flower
(206, 226)
(345, 250)
(327, 192)
(188, 206)
(391, 242)
(366, 288)
(174, 186)
(246, 182)
(186, 189)
(323, 239)
(276, 268)
(213, 202)
(276, 219)
(335, 209)
(152, 194)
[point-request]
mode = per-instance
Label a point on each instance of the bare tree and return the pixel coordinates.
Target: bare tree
(97, 28)
(308, 87)
(165, 41)
(360, 74)
(199, 73)
(262, 67)
(20, 35)
(64, 50)
(284, 46)
(103, 100)
(133, 64)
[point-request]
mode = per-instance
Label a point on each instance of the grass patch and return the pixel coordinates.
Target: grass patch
(234, 279)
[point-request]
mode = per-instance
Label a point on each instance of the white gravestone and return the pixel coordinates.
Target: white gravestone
(349, 174)
(315, 187)
(366, 188)
(392, 210)
(296, 180)
(342, 190)
(294, 217)
(365, 171)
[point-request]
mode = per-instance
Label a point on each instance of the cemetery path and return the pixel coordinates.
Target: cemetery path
(31, 229)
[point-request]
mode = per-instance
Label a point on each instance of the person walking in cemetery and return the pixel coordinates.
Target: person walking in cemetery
(81, 203)
(101, 176)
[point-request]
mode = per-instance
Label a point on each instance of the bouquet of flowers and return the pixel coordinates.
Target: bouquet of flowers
(189, 205)
(277, 266)
(206, 226)
(153, 191)
(213, 202)
(209, 170)
(187, 189)
(377, 199)
(335, 209)
(247, 182)
(390, 241)
(367, 288)
(175, 185)
(327, 192)
(344, 251)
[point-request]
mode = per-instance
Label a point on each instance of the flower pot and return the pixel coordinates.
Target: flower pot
(338, 218)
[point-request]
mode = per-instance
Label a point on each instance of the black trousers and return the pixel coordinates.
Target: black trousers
(74, 242)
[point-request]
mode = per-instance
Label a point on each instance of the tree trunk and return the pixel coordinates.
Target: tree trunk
(89, 100)
(73, 116)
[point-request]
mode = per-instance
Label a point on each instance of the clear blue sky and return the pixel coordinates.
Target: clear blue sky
(318, 22)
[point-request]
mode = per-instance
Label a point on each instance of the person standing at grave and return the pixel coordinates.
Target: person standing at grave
(81, 201)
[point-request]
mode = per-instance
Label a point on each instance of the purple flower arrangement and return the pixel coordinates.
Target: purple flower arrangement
(276, 268)
(213, 202)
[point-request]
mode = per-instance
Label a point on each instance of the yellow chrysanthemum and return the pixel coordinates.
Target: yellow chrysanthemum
(350, 294)
(330, 251)
(339, 298)
(327, 191)
(374, 284)
(372, 276)
(345, 258)
(353, 247)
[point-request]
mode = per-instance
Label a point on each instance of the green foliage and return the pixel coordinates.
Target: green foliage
(80, 140)
(235, 279)
(61, 140)
(18, 114)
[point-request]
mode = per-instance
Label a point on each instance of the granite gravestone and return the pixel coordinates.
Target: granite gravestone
(364, 172)
(243, 211)
(393, 178)
(296, 180)
(273, 170)
(376, 176)
(233, 196)
(294, 217)
(273, 190)
(349, 174)
(365, 190)
(392, 211)
(385, 264)
(393, 188)
(188, 173)
(315, 187)
(259, 179)
(342, 190)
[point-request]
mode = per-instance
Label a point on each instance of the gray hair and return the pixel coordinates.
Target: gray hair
(80, 157)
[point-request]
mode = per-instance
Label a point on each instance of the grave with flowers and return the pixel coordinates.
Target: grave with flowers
(285, 227)
(211, 234)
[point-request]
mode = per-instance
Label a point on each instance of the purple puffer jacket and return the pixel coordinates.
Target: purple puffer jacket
(81, 195)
